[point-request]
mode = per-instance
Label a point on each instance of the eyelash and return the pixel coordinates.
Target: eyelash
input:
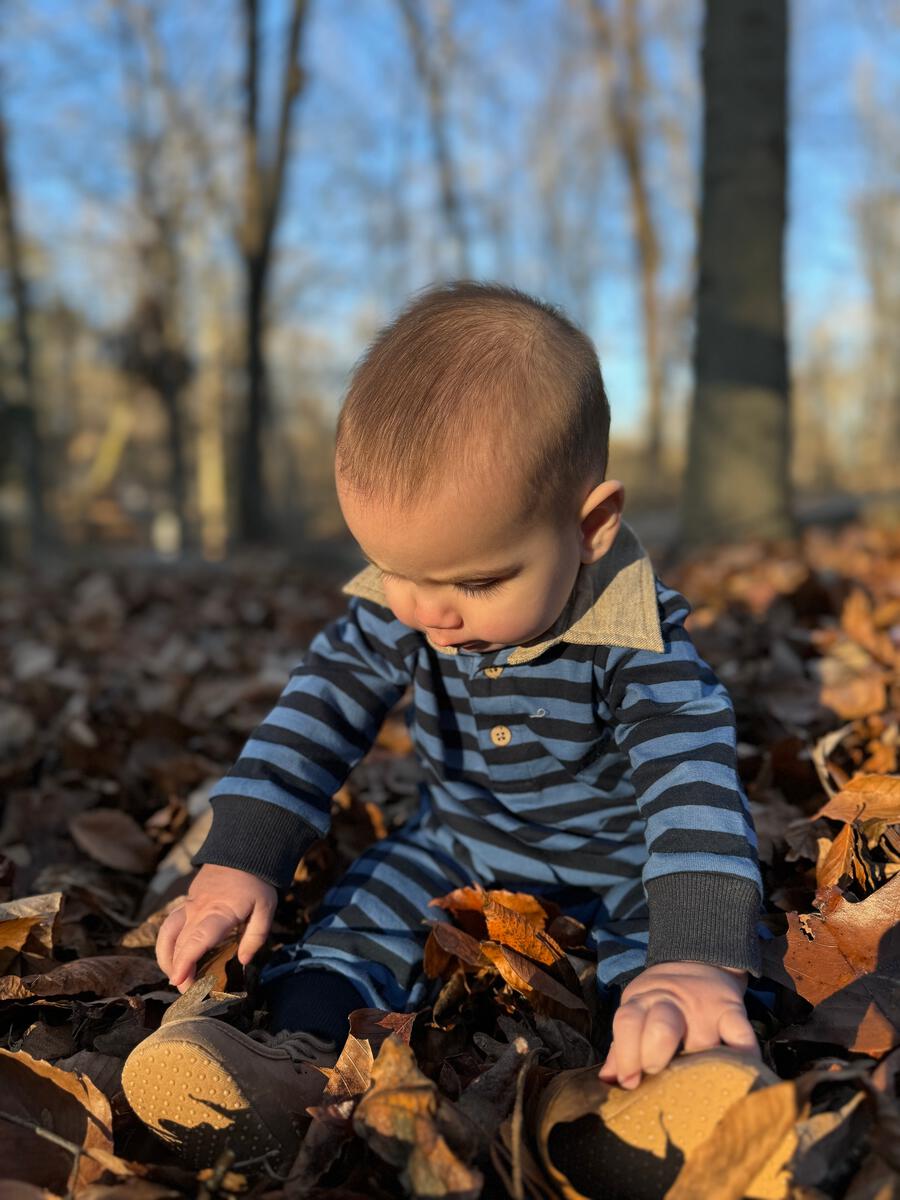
(486, 589)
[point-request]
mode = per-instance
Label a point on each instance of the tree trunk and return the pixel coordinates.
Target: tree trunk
(26, 409)
(264, 175)
(738, 481)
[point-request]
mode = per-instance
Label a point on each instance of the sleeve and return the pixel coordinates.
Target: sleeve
(675, 720)
(276, 799)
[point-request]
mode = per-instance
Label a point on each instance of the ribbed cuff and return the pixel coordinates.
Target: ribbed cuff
(256, 836)
(703, 916)
(316, 1001)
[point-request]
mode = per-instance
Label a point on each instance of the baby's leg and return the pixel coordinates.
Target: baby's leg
(365, 947)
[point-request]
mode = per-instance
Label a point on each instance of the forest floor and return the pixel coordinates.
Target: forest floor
(126, 691)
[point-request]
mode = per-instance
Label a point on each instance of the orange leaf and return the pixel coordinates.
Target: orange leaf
(512, 929)
(865, 797)
(543, 992)
(847, 965)
(454, 943)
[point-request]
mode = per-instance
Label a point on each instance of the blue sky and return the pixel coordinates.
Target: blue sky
(363, 119)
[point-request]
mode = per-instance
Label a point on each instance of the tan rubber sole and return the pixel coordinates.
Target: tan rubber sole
(204, 1119)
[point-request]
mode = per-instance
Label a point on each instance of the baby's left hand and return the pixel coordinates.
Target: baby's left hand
(698, 1002)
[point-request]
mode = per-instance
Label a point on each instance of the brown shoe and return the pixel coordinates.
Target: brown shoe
(203, 1086)
(630, 1144)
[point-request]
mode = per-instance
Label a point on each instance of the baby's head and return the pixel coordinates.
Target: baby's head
(470, 463)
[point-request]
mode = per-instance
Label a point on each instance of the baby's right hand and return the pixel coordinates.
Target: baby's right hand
(218, 900)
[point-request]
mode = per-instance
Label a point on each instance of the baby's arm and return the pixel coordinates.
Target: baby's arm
(676, 722)
(276, 799)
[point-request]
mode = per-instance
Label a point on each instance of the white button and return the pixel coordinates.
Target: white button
(500, 735)
(493, 672)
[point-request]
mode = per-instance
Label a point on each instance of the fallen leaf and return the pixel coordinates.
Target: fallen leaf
(851, 686)
(28, 925)
(847, 965)
(865, 797)
(747, 1152)
(115, 839)
(44, 1097)
(375, 1024)
(542, 991)
(105, 975)
(512, 929)
(447, 946)
(397, 1118)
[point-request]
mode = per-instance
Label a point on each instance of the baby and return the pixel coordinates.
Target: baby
(574, 744)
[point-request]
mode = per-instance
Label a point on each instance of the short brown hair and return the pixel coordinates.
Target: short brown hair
(476, 370)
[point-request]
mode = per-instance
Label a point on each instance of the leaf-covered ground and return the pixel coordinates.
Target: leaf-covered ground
(124, 695)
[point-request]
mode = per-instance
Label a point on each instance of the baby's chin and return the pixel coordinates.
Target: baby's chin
(481, 647)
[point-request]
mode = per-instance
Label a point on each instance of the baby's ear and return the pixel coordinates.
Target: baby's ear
(601, 518)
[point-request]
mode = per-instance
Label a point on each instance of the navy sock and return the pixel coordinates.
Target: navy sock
(316, 1001)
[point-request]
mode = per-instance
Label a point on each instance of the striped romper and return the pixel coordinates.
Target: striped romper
(597, 768)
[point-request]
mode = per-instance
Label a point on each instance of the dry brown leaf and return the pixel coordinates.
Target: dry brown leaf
(542, 991)
(865, 797)
(747, 1153)
(70, 1106)
(773, 816)
(488, 1098)
(115, 839)
(467, 906)
(857, 620)
(851, 684)
(828, 1138)
(847, 965)
(143, 936)
(104, 975)
(351, 1075)
(821, 752)
(446, 947)
(397, 1117)
(332, 1124)
(28, 925)
(509, 927)
(845, 862)
(757, 1143)
(375, 1024)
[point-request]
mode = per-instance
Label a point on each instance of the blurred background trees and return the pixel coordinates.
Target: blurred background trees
(207, 210)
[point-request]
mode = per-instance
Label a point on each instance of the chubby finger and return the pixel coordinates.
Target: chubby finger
(735, 1030)
(664, 1029)
(168, 935)
(196, 938)
(255, 934)
(628, 1028)
(608, 1072)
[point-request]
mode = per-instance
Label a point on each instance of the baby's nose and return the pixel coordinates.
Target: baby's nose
(437, 615)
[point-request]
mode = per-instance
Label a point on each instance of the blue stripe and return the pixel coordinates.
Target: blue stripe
(261, 789)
